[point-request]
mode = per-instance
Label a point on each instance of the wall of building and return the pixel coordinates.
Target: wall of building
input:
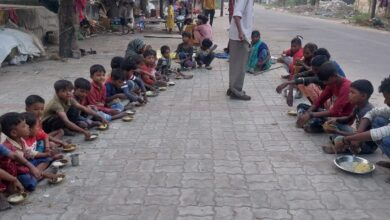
(363, 6)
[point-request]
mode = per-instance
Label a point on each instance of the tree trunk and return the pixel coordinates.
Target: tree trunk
(317, 5)
(144, 7)
(67, 18)
(373, 8)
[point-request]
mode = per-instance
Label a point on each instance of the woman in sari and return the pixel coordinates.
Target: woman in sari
(135, 48)
(259, 58)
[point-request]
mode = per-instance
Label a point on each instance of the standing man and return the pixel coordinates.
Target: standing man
(209, 9)
(239, 47)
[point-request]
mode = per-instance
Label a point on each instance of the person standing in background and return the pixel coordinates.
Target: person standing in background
(209, 9)
(239, 34)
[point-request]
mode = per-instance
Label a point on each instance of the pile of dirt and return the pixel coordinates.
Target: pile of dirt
(332, 8)
(335, 9)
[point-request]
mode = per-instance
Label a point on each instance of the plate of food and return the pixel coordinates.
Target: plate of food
(92, 137)
(17, 198)
(127, 119)
(151, 94)
(354, 164)
(102, 127)
(292, 113)
(60, 163)
(130, 112)
(59, 179)
(69, 148)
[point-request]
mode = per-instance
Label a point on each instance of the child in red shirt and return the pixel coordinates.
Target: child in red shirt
(148, 70)
(36, 104)
(40, 159)
(289, 57)
(97, 95)
(310, 117)
(15, 128)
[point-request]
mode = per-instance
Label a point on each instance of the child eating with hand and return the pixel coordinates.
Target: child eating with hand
(36, 105)
(81, 89)
(97, 96)
(359, 95)
(289, 57)
(148, 70)
(55, 113)
(40, 159)
(15, 128)
(164, 65)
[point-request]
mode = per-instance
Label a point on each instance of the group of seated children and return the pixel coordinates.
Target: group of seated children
(34, 137)
(336, 103)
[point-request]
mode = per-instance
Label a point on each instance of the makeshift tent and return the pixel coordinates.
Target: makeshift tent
(26, 45)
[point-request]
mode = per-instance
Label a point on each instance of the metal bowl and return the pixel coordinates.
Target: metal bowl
(348, 163)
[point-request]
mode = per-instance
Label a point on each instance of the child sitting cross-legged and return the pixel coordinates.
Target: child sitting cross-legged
(377, 120)
(140, 63)
(15, 128)
(301, 65)
(114, 89)
(134, 88)
(205, 55)
(81, 89)
(13, 165)
(260, 57)
(289, 57)
(311, 118)
(116, 63)
(55, 113)
(97, 96)
(164, 65)
(148, 70)
(359, 95)
(185, 51)
(36, 105)
(40, 159)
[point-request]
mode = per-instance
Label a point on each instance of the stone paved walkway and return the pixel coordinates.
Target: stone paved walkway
(192, 153)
